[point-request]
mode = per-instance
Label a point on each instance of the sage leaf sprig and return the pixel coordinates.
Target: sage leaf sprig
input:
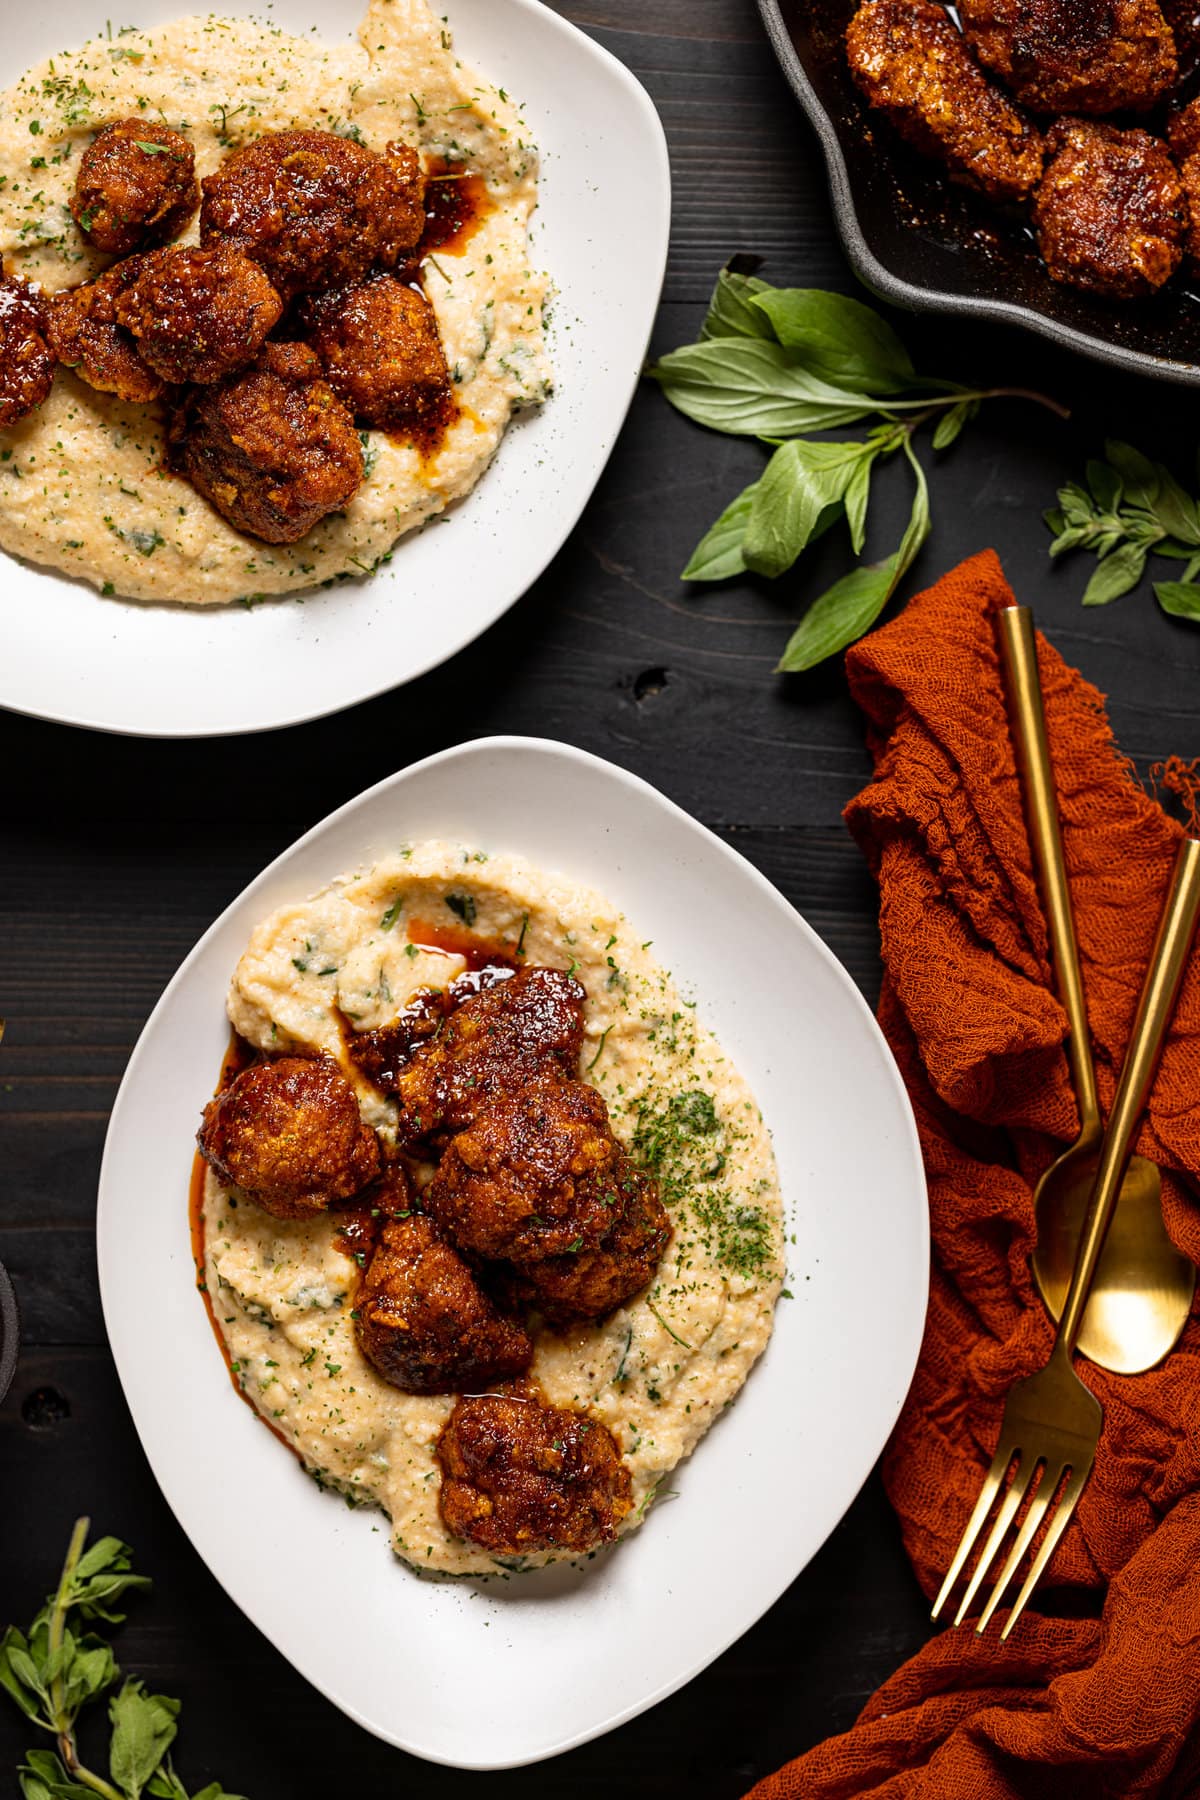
(780, 364)
(1127, 510)
(57, 1668)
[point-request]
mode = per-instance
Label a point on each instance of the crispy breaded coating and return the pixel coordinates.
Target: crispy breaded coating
(509, 1033)
(424, 1322)
(592, 1283)
(379, 345)
(136, 186)
(86, 337)
(26, 359)
(1110, 213)
(1076, 56)
(273, 449)
(537, 1173)
(1183, 136)
(519, 1477)
(288, 1134)
(198, 315)
(913, 65)
(316, 210)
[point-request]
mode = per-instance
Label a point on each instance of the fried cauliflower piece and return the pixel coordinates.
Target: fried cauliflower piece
(272, 449)
(509, 1033)
(1076, 56)
(198, 315)
(315, 209)
(1110, 213)
(136, 186)
(288, 1134)
(379, 345)
(424, 1322)
(26, 359)
(86, 337)
(537, 1173)
(520, 1477)
(913, 65)
(1183, 136)
(592, 1283)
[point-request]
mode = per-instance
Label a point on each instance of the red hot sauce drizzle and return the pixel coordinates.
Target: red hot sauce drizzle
(456, 204)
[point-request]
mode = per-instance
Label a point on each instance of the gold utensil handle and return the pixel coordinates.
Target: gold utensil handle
(1027, 718)
(1160, 990)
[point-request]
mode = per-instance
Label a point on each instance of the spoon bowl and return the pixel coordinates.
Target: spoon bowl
(1143, 1287)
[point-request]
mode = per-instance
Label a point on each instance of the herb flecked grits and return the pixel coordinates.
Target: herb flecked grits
(344, 970)
(83, 487)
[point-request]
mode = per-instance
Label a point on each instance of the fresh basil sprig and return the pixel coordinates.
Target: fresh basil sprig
(56, 1669)
(779, 364)
(1129, 510)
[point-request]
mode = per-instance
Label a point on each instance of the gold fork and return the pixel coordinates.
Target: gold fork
(1051, 1422)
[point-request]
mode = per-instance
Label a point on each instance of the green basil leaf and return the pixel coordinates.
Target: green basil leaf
(27, 1698)
(1105, 485)
(719, 552)
(1138, 476)
(214, 1791)
(1179, 598)
(43, 1777)
(950, 424)
(856, 499)
(1055, 521)
(730, 313)
(840, 339)
(143, 1731)
(165, 1784)
(753, 389)
(1115, 575)
(801, 481)
(1175, 510)
(851, 606)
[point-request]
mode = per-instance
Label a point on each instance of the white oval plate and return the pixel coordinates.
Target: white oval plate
(601, 229)
(493, 1675)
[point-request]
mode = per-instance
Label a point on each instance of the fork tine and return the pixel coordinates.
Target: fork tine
(983, 1506)
(1057, 1526)
(1009, 1507)
(1052, 1475)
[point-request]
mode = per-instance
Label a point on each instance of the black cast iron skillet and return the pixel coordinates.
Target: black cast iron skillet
(917, 240)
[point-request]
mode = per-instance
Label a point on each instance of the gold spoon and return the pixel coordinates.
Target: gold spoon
(1142, 1291)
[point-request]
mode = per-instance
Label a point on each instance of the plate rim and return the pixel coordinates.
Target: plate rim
(659, 189)
(881, 280)
(916, 1308)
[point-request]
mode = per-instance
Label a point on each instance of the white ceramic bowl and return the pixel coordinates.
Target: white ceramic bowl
(601, 229)
(493, 1675)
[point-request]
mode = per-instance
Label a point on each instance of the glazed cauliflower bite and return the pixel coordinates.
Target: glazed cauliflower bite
(1076, 56)
(424, 1322)
(1183, 136)
(273, 449)
(289, 1136)
(590, 1284)
(1110, 214)
(198, 315)
(537, 1173)
(136, 186)
(26, 359)
(913, 65)
(379, 346)
(512, 1031)
(86, 337)
(316, 210)
(519, 1476)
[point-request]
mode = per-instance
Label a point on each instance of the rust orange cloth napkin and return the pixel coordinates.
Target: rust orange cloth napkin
(1069, 1707)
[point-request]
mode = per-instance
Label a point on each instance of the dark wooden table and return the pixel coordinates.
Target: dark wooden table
(118, 853)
